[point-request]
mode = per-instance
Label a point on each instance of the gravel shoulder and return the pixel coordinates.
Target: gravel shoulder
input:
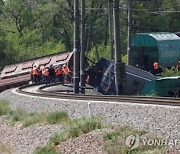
(90, 143)
(24, 141)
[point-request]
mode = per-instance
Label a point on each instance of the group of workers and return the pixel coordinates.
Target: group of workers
(50, 74)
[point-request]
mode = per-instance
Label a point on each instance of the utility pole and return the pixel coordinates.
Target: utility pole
(110, 16)
(129, 31)
(118, 65)
(76, 47)
(82, 55)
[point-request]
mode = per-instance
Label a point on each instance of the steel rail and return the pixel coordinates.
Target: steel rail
(105, 98)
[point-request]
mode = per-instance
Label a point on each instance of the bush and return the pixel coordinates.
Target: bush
(4, 107)
(28, 119)
(18, 115)
(59, 137)
(57, 117)
(45, 150)
(88, 124)
(76, 128)
(34, 119)
(170, 72)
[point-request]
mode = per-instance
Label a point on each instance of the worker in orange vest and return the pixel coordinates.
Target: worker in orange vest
(59, 74)
(35, 74)
(46, 75)
(156, 67)
(66, 72)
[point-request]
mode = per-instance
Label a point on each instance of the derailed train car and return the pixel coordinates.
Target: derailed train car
(18, 74)
(162, 47)
(101, 77)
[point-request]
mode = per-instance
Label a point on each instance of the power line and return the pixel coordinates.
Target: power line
(154, 9)
(154, 28)
(156, 12)
(96, 8)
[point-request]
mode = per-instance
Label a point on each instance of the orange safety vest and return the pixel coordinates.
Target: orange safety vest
(66, 70)
(46, 72)
(58, 71)
(156, 66)
(35, 71)
(31, 72)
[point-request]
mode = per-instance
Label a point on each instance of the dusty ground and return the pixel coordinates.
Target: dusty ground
(14, 139)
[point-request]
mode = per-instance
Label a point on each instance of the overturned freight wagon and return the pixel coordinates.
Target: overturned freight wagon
(102, 77)
(162, 47)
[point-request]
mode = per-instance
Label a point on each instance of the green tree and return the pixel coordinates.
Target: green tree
(31, 28)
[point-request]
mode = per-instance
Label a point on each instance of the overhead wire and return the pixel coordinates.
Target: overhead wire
(154, 28)
(150, 10)
(146, 9)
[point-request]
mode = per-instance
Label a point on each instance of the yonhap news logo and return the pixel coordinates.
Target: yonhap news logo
(134, 141)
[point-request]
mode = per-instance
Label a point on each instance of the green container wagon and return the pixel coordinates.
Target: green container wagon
(162, 47)
(164, 87)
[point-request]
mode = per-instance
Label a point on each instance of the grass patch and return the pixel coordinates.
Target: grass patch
(57, 117)
(76, 128)
(4, 107)
(51, 118)
(34, 118)
(114, 142)
(123, 133)
(28, 119)
(170, 72)
(18, 115)
(59, 137)
(45, 150)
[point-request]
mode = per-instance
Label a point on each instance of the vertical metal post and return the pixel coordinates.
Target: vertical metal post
(82, 55)
(110, 4)
(76, 47)
(129, 31)
(118, 62)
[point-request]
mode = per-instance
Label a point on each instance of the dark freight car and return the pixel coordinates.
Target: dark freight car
(102, 77)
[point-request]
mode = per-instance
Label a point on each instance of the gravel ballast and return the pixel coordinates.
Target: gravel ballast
(163, 120)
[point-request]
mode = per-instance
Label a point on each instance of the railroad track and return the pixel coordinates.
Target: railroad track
(106, 98)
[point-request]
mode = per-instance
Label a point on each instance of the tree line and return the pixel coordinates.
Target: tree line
(32, 28)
